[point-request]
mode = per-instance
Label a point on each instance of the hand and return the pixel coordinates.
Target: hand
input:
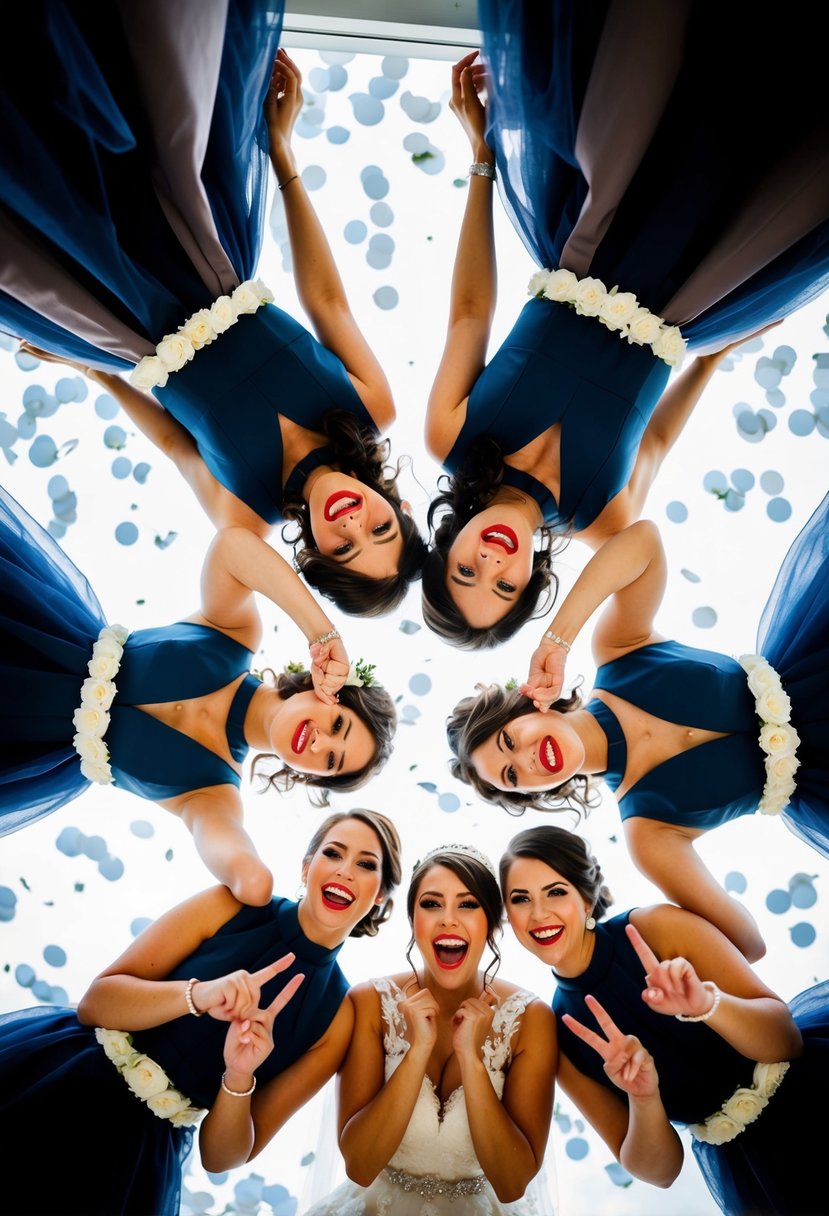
(672, 986)
(468, 83)
(726, 350)
(236, 996)
(627, 1063)
(472, 1023)
(284, 100)
(546, 675)
(47, 357)
(329, 669)
(420, 1010)
(249, 1040)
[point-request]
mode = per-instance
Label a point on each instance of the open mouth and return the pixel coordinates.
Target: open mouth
(549, 753)
(341, 503)
(337, 897)
(548, 935)
(450, 951)
(300, 738)
(501, 535)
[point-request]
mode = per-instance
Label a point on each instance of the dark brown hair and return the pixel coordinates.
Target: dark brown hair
(391, 869)
(566, 853)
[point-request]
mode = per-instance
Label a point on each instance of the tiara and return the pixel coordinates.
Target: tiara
(464, 850)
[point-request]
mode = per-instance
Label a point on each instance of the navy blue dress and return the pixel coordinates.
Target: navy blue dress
(133, 184)
(632, 146)
(107, 1152)
(724, 778)
(775, 1165)
(49, 620)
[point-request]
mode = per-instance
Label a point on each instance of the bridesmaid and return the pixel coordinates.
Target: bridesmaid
(146, 255)
(169, 713)
(127, 1076)
(662, 1022)
(708, 237)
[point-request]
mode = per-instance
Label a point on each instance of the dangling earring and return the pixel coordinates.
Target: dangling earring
(300, 892)
(590, 923)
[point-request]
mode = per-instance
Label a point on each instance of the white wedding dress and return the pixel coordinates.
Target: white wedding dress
(434, 1171)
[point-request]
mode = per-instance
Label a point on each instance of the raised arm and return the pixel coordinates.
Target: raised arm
(628, 573)
(474, 279)
(320, 288)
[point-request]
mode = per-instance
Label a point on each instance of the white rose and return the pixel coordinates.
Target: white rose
(223, 314)
(97, 771)
(774, 801)
(749, 661)
(245, 298)
(618, 309)
(767, 1077)
(108, 644)
(199, 329)
(763, 677)
(149, 373)
(561, 285)
(102, 667)
(718, 1129)
(670, 345)
(97, 694)
(744, 1105)
(89, 720)
(168, 1103)
(263, 291)
(90, 747)
(643, 327)
(186, 1117)
(146, 1078)
(538, 282)
(774, 706)
(782, 768)
(117, 1045)
(174, 350)
(777, 739)
(117, 632)
(590, 296)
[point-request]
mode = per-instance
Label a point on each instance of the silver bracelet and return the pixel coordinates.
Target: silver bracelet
(323, 638)
(188, 996)
(709, 1013)
(553, 637)
(239, 1093)
(482, 168)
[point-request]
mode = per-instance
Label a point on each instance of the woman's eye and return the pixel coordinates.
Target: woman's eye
(466, 571)
(368, 865)
(508, 742)
(381, 529)
(330, 763)
(429, 903)
(557, 891)
(332, 853)
(338, 725)
(512, 776)
(470, 903)
(518, 899)
(508, 588)
(341, 550)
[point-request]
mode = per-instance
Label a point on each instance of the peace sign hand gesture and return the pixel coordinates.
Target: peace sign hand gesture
(249, 1040)
(628, 1064)
(236, 996)
(672, 986)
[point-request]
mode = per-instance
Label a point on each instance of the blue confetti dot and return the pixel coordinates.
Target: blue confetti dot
(748, 422)
(24, 974)
(801, 422)
(318, 79)
(802, 934)
(416, 143)
(394, 66)
(43, 452)
(367, 109)
(577, 1148)
(420, 684)
(142, 828)
(385, 298)
(355, 232)
(704, 618)
(55, 956)
(338, 135)
(121, 467)
(377, 259)
(767, 374)
(787, 356)
(617, 1174)
(776, 398)
(66, 389)
(57, 487)
(95, 847)
(140, 472)
(449, 803)
(313, 177)
(65, 508)
(115, 437)
(428, 786)
(26, 363)
(409, 713)
(56, 528)
(375, 185)
(381, 215)
(771, 482)
(7, 897)
(337, 78)
(802, 891)
(778, 509)
(106, 407)
(111, 868)
(734, 501)
(736, 882)
(70, 842)
(59, 996)
(140, 924)
(42, 990)
(677, 512)
(715, 482)
(778, 901)
(409, 627)
(26, 426)
(742, 480)
(768, 419)
(126, 533)
(382, 87)
(691, 577)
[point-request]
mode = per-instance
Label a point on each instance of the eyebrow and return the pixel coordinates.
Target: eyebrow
(441, 895)
(342, 757)
(559, 882)
(384, 540)
(507, 598)
(504, 775)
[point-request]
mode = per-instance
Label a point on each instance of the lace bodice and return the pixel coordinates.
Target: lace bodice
(437, 1140)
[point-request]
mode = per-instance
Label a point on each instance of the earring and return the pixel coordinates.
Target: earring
(300, 892)
(590, 923)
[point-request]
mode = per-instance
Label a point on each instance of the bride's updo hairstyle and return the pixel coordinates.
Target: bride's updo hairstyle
(391, 867)
(475, 719)
(372, 705)
(357, 452)
(566, 853)
(463, 494)
(479, 880)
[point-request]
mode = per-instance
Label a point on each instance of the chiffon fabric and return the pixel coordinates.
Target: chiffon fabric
(775, 1165)
(49, 620)
(639, 143)
(108, 1153)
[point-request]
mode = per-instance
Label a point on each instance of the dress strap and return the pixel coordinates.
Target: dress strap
(617, 751)
(235, 725)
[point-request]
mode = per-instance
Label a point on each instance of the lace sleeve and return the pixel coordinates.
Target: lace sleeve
(395, 1042)
(497, 1050)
